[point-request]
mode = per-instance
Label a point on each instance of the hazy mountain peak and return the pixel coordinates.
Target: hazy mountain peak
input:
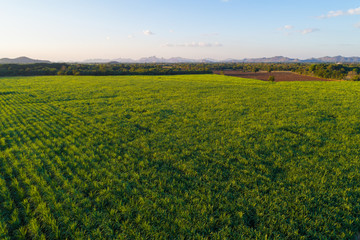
(21, 60)
(154, 59)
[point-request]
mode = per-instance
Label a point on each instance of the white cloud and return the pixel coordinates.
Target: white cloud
(333, 14)
(107, 38)
(337, 13)
(168, 45)
(225, 0)
(285, 28)
(194, 45)
(131, 36)
(355, 11)
(288, 30)
(148, 32)
(309, 30)
(357, 25)
(197, 44)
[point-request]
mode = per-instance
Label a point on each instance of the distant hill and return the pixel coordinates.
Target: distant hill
(154, 59)
(21, 60)
(336, 59)
(281, 59)
(276, 59)
(117, 60)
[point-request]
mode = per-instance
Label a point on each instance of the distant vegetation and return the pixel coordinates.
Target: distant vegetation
(178, 157)
(43, 69)
(323, 70)
(271, 79)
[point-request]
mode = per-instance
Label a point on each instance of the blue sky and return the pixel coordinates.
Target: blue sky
(78, 29)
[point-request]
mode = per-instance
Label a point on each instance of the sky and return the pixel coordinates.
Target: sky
(75, 30)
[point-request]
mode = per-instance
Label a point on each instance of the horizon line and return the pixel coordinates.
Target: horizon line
(105, 60)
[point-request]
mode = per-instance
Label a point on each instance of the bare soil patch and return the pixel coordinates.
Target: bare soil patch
(279, 76)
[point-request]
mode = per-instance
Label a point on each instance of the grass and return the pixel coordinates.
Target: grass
(180, 157)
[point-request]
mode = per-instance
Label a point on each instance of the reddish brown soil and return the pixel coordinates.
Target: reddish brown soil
(279, 76)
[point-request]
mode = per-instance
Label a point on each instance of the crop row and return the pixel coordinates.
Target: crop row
(177, 157)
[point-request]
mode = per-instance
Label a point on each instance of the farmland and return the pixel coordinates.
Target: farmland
(180, 157)
(279, 76)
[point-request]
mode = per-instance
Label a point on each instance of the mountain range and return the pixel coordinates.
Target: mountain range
(153, 59)
(281, 59)
(21, 60)
(277, 59)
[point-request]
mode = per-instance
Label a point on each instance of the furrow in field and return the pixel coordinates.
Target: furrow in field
(31, 171)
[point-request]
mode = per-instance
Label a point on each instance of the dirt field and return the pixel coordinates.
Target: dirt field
(279, 76)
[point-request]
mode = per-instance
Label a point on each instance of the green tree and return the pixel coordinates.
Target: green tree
(355, 78)
(271, 79)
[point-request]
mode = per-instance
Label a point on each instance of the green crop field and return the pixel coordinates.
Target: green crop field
(178, 157)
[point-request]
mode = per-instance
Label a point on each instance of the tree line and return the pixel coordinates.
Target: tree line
(46, 69)
(323, 70)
